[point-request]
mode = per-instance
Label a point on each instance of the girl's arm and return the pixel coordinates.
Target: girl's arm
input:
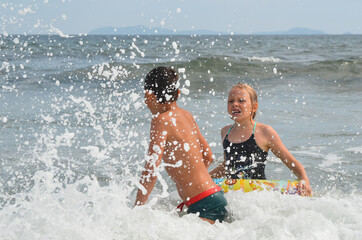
(219, 171)
(207, 155)
(157, 145)
(279, 150)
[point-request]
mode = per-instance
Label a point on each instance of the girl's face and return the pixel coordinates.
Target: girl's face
(240, 107)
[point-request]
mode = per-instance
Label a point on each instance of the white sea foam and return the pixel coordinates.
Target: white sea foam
(96, 153)
(5, 66)
(330, 159)
(264, 59)
(107, 213)
(137, 105)
(88, 105)
(134, 96)
(355, 150)
(111, 73)
(47, 118)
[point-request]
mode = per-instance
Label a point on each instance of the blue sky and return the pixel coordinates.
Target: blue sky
(238, 16)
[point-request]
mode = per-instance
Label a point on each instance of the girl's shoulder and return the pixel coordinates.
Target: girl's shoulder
(265, 130)
(225, 130)
(261, 127)
(264, 135)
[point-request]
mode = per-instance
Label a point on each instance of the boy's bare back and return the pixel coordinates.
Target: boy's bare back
(186, 153)
(176, 139)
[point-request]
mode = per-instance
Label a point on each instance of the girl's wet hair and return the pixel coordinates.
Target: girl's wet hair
(251, 92)
(162, 81)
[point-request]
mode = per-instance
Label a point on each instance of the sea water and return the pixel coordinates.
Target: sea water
(74, 134)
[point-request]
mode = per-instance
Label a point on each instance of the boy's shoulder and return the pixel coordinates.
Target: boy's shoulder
(160, 118)
(171, 117)
(172, 113)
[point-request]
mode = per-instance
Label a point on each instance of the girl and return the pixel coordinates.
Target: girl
(246, 143)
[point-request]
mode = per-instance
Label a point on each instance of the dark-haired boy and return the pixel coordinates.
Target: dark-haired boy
(176, 138)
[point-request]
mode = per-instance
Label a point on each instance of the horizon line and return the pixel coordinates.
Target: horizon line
(180, 34)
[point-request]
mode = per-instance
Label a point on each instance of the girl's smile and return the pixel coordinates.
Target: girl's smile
(239, 104)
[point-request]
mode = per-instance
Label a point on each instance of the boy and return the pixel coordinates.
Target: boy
(176, 138)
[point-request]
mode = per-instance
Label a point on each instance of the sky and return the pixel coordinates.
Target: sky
(234, 16)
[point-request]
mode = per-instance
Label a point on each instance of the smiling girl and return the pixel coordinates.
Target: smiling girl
(246, 142)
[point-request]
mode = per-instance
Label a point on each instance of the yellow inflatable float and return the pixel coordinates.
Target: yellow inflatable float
(248, 185)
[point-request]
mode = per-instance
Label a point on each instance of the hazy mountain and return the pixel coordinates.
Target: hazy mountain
(143, 30)
(294, 31)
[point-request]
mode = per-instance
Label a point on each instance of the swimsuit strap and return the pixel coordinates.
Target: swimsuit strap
(226, 136)
(233, 126)
(230, 130)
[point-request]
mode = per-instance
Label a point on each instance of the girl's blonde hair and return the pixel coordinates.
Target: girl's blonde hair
(251, 92)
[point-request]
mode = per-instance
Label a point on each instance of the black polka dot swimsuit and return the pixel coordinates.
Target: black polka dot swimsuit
(244, 160)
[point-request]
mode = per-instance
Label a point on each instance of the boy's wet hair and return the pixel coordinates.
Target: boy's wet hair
(251, 92)
(162, 81)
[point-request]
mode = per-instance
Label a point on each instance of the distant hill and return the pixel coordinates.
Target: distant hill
(143, 30)
(295, 31)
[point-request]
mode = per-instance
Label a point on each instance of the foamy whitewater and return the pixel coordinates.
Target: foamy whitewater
(74, 134)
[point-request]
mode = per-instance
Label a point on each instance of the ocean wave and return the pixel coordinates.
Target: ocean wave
(265, 59)
(208, 69)
(99, 72)
(271, 68)
(340, 69)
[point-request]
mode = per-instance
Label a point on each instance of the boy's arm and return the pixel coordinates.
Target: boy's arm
(157, 145)
(279, 150)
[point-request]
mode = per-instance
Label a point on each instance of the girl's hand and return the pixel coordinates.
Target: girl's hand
(305, 188)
